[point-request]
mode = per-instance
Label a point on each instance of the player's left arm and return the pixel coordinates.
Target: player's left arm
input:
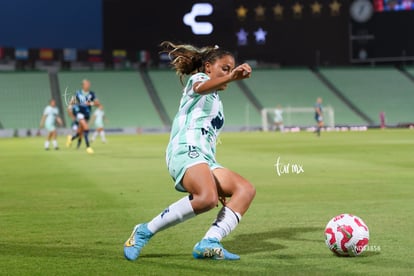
(240, 72)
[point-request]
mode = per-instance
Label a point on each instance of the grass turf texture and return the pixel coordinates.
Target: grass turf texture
(68, 213)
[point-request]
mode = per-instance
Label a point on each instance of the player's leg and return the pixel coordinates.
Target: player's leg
(199, 182)
(78, 134)
(318, 130)
(79, 141)
(80, 126)
(102, 133)
(320, 125)
(75, 130)
(47, 141)
(85, 131)
(95, 134)
(54, 141)
(229, 184)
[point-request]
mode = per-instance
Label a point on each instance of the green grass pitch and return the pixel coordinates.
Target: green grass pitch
(68, 213)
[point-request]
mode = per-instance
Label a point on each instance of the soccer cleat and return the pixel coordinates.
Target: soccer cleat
(68, 141)
(89, 150)
(138, 239)
(211, 248)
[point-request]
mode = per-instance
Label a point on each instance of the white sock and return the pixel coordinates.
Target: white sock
(46, 144)
(55, 145)
(103, 136)
(177, 212)
(225, 222)
(94, 135)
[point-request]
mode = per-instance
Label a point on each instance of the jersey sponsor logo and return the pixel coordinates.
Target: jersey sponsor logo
(197, 27)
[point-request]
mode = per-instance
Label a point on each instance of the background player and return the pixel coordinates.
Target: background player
(191, 154)
(318, 116)
(75, 127)
(278, 118)
(82, 104)
(98, 118)
(49, 119)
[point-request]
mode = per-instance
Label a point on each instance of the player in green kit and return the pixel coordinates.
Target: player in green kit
(190, 154)
(49, 119)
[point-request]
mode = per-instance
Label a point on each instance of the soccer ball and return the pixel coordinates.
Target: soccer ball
(346, 235)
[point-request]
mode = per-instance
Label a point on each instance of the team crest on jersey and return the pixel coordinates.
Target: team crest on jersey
(192, 152)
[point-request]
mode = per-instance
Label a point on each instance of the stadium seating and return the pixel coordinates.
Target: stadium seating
(23, 98)
(123, 95)
(127, 103)
(375, 90)
(297, 88)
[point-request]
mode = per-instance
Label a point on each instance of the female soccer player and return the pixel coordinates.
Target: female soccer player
(191, 152)
(98, 119)
(49, 119)
(81, 105)
(318, 116)
(278, 118)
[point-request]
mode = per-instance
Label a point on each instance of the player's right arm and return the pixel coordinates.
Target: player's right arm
(59, 121)
(42, 120)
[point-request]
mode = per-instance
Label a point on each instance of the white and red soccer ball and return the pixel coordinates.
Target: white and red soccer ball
(346, 235)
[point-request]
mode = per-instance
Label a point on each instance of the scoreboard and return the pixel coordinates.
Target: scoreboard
(288, 32)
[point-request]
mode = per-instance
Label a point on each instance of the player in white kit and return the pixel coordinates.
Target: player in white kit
(49, 119)
(98, 119)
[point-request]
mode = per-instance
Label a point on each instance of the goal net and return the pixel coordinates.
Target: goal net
(296, 117)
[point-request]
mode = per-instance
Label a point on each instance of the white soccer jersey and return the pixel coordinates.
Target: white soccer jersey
(278, 115)
(51, 113)
(99, 117)
(198, 121)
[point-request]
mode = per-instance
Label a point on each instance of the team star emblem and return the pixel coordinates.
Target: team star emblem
(297, 9)
(260, 35)
(242, 37)
(260, 12)
(242, 12)
(316, 8)
(278, 11)
(335, 7)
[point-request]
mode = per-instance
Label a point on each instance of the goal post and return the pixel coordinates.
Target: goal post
(297, 117)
